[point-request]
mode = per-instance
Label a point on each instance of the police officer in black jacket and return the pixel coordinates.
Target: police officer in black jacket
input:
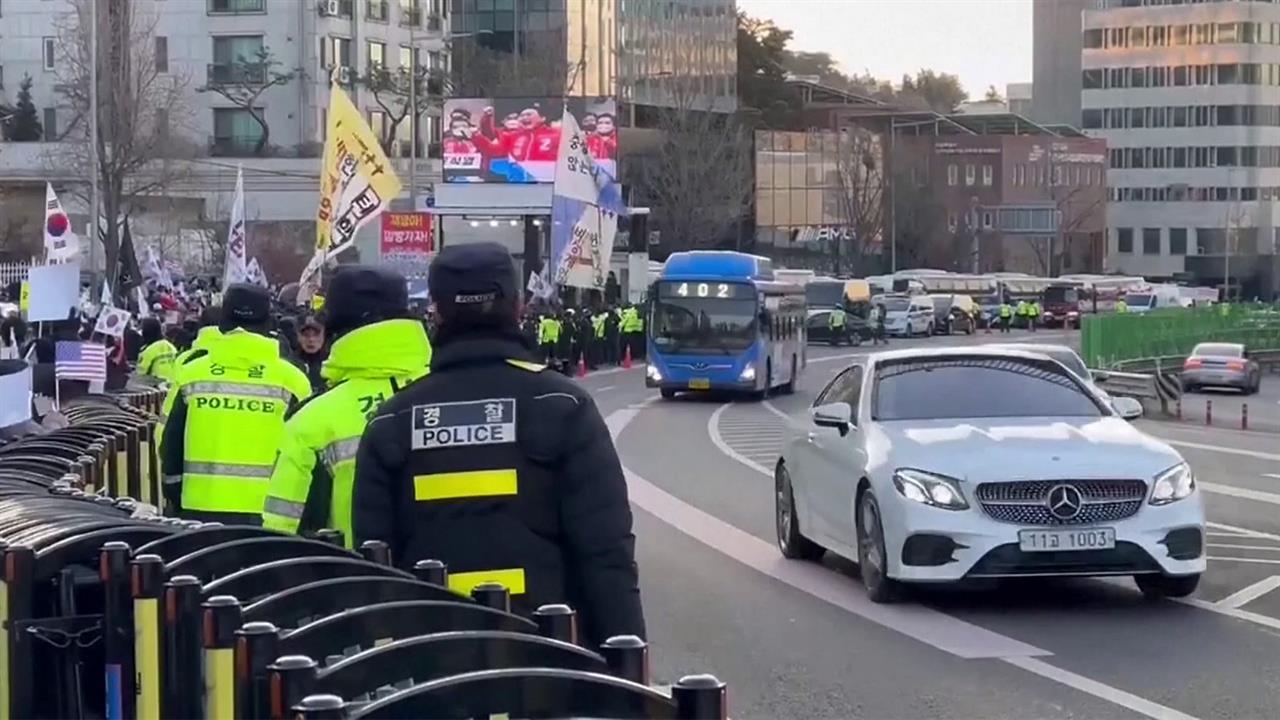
(498, 466)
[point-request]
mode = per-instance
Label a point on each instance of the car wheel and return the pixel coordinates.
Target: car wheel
(768, 383)
(873, 560)
(791, 542)
(668, 393)
(1156, 587)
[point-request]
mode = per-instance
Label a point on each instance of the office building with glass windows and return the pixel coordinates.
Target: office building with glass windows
(1187, 96)
(643, 52)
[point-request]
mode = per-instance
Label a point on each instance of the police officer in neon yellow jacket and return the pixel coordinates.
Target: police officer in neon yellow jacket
(205, 339)
(224, 430)
(379, 350)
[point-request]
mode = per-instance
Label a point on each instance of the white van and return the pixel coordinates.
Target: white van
(1153, 297)
(907, 314)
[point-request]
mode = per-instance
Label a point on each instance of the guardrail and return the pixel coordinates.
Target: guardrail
(1163, 387)
(108, 609)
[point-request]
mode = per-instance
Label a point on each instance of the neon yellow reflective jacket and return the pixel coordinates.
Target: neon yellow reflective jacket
(157, 359)
(311, 485)
(205, 339)
(228, 419)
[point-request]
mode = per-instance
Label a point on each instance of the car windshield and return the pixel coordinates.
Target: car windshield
(977, 387)
(896, 304)
(1139, 300)
(704, 325)
(1219, 350)
(941, 302)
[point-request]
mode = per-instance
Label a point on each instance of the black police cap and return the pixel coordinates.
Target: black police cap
(363, 294)
(480, 276)
(244, 304)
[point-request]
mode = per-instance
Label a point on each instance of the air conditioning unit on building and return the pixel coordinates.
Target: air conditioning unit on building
(329, 7)
(344, 75)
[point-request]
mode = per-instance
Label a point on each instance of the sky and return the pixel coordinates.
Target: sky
(985, 42)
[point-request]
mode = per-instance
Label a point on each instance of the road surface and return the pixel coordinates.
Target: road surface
(797, 640)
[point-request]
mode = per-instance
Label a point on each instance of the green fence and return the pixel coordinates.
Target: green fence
(1110, 340)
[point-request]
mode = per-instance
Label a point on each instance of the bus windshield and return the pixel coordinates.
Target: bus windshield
(1061, 295)
(696, 325)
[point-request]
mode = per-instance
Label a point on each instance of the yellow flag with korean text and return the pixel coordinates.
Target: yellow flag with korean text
(357, 181)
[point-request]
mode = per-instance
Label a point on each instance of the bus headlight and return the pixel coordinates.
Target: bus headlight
(652, 372)
(748, 374)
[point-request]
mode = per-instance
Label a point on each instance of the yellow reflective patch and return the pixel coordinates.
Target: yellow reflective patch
(146, 649)
(511, 579)
(219, 683)
(473, 484)
(526, 365)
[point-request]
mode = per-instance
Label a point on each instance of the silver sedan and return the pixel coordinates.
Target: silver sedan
(1221, 365)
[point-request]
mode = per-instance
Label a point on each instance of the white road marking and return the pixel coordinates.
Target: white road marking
(942, 631)
(922, 624)
(1255, 561)
(713, 431)
(1244, 532)
(1237, 613)
(606, 388)
(1106, 692)
(1247, 595)
(1225, 546)
(1274, 476)
(1243, 493)
(1218, 448)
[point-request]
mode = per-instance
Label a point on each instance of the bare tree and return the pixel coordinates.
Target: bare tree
(391, 91)
(244, 81)
(699, 178)
(142, 111)
(859, 172)
(921, 223)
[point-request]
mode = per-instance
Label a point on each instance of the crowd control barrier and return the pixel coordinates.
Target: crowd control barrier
(109, 609)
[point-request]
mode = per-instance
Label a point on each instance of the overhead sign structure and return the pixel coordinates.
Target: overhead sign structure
(407, 240)
(517, 140)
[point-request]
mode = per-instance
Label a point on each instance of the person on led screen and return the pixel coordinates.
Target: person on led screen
(603, 143)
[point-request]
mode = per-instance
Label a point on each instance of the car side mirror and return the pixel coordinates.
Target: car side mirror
(838, 415)
(1127, 407)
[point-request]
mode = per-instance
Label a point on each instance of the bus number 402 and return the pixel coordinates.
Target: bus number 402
(703, 290)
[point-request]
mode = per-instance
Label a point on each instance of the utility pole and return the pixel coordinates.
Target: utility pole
(413, 120)
(93, 149)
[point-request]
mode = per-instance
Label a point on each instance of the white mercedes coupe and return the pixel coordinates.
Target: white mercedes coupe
(941, 465)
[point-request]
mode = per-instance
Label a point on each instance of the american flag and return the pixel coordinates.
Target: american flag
(80, 361)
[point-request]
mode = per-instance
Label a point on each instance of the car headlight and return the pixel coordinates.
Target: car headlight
(652, 372)
(748, 374)
(1172, 485)
(929, 489)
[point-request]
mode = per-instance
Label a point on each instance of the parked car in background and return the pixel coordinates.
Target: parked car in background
(818, 327)
(1216, 364)
(954, 313)
(1154, 297)
(908, 315)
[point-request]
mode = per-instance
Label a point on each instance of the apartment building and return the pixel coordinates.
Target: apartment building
(1186, 95)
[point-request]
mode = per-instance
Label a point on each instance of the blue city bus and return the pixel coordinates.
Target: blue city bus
(719, 321)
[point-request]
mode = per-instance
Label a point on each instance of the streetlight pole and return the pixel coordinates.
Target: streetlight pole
(413, 119)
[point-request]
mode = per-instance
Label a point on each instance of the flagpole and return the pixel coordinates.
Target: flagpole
(93, 144)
